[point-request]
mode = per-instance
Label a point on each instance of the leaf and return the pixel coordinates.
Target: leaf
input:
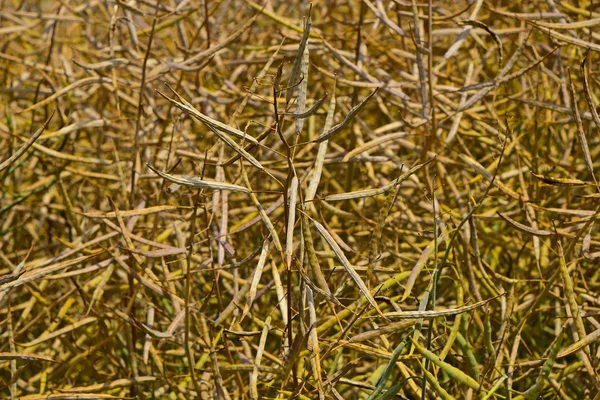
(536, 389)
(436, 313)
(349, 117)
(70, 157)
(263, 215)
(100, 288)
(313, 260)
(310, 111)
(559, 181)
(171, 251)
(104, 64)
(416, 270)
(580, 344)
(453, 372)
(8, 162)
(565, 38)
(71, 396)
(385, 375)
(35, 274)
(198, 183)
(119, 383)
(435, 383)
(258, 358)
(373, 143)
(374, 192)
(351, 271)
(211, 123)
(588, 92)
(256, 278)
(317, 169)
(524, 228)
(582, 139)
(291, 221)
(25, 357)
(297, 67)
(571, 25)
(131, 213)
(60, 332)
(493, 34)
(65, 90)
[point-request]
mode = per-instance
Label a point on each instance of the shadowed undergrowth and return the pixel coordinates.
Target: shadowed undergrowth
(346, 199)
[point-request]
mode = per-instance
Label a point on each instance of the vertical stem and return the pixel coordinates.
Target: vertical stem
(136, 139)
(430, 72)
(357, 54)
(186, 337)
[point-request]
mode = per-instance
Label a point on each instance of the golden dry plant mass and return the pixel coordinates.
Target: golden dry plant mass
(351, 199)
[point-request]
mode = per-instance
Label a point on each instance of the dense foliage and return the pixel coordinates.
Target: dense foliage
(337, 200)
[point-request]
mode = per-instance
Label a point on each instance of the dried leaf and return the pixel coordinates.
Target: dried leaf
(342, 257)
(349, 117)
(198, 183)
